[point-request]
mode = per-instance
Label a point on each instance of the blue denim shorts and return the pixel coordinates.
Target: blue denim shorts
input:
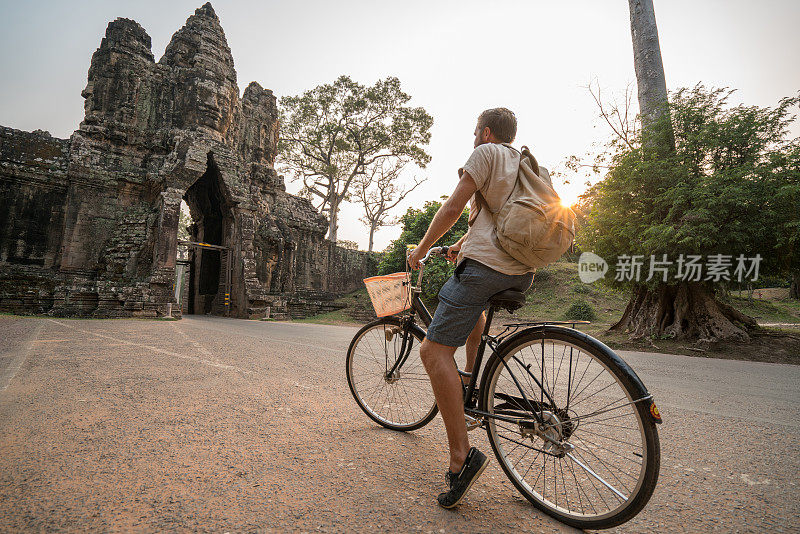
(465, 296)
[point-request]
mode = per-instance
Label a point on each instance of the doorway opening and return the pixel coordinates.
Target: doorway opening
(204, 246)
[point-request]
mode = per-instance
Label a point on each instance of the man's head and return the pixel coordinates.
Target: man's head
(496, 125)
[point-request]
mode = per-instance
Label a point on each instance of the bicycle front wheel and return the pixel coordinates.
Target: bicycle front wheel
(386, 376)
(606, 466)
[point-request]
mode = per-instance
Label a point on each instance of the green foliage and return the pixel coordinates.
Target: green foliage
(374, 259)
(580, 311)
(415, 223)
(730, 186)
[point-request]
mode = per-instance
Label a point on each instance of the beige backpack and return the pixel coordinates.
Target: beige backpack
(532, 225)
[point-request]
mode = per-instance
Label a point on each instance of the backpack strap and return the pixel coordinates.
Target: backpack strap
(481, 201)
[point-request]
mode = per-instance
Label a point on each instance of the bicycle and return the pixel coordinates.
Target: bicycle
(571, 424)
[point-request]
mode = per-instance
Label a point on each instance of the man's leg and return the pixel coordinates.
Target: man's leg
(439, 364)
(473, 341)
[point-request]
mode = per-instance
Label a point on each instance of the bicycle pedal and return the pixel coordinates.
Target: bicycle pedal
(472, 422)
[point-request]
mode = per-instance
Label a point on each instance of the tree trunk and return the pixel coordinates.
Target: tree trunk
(687, 311)
(794, 289)
(650, 80)
(371, 235)
(333, 220)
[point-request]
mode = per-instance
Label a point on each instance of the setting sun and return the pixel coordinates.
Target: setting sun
(568, 202)
(568, 193)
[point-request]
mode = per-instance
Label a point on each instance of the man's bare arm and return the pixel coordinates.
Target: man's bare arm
(445, 218)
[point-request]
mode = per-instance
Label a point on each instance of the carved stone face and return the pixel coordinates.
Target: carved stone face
(87, 94)
(214, 105)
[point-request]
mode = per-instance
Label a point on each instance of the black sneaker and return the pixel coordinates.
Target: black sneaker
(460, 482)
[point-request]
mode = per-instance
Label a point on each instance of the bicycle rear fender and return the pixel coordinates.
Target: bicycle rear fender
(629, 373)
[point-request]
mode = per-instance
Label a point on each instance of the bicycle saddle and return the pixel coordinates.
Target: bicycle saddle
(508, 299)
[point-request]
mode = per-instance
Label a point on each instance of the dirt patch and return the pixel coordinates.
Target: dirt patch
(767, 345)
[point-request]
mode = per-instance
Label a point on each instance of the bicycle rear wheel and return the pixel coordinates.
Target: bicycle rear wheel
(608, 469)
(397, 395)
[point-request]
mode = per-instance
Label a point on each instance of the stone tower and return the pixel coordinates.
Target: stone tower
(89, 225)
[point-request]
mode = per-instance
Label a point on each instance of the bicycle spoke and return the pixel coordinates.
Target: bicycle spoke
(599, 479)
(600, 412)
(584, 399)
(605, 449)
(605, 465)
(560, 363)
(633, 445)
(594, 483)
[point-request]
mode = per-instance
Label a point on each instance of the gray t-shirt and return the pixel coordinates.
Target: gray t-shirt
(493, 167)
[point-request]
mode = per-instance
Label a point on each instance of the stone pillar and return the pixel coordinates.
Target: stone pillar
(162, 281)
(250, 292)
(167, 238)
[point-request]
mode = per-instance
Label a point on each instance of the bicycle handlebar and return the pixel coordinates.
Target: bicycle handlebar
(437, 251)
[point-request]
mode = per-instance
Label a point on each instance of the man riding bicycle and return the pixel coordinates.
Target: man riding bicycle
(483, 269)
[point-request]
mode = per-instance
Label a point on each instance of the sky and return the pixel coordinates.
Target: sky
(455, 58)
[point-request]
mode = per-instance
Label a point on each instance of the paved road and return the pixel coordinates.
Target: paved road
(227, 425)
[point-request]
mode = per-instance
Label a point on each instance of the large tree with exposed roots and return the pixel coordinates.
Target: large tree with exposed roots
(726, 192)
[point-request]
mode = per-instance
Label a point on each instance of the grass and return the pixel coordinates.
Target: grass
(767, 310)
(336, 317)
(557, 287)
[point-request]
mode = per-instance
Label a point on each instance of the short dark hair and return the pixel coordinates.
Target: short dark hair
(501, 122)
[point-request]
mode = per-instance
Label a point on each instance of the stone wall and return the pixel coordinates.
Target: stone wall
(89, 225)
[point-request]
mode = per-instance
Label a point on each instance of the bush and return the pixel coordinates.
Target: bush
(706, 178)
(415, 224)
(581, 288)
(581, 311)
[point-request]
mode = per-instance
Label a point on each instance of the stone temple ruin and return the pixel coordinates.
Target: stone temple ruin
(88, 226)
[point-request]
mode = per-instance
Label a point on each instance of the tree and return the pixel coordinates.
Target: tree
(415, 224)
(730, 187)
(785, 219)
(378, 192)
(336, 133)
